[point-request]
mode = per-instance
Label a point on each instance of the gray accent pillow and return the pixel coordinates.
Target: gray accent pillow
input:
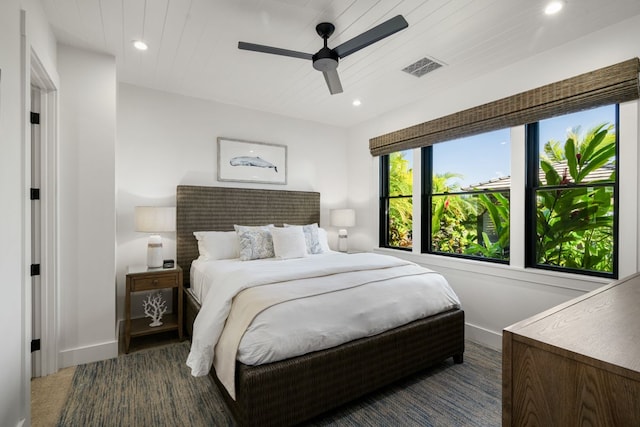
(255, 242)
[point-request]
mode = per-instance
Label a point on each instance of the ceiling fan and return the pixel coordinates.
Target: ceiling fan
(326, 60)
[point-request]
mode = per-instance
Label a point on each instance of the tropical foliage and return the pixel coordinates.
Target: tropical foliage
(458, 223)
(574, 226)
(496, 206)
(574, 219)
(449, 216)
(400, 201)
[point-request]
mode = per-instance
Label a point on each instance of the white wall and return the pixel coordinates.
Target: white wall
(16, 40)
(165, 140)
(87, 206)
(497, 296)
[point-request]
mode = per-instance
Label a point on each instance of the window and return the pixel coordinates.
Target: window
(396, 200)
(571, 192)
(466, 185)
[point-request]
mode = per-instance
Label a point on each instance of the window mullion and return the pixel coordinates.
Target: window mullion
(425, 198)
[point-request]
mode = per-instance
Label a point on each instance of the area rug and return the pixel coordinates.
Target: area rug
(155, 388)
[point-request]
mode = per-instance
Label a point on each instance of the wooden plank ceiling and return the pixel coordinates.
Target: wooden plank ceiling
(193, 46)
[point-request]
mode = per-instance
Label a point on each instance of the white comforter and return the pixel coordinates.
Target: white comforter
(364, 308)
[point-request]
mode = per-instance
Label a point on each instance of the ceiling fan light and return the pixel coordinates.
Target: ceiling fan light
(325, 64)
(325, 60)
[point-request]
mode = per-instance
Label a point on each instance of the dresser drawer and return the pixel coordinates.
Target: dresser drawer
(155, 282)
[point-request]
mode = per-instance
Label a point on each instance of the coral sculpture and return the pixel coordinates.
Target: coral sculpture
(155, 307)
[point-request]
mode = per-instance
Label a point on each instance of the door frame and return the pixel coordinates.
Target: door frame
(49, 224)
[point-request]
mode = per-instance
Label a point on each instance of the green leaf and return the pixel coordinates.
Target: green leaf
(550, 173)
(598, 135)
(437, 215)
(493, 211)
(570, 152)
(503, 206)
(603, 198)
(485, 240)
(600, 158)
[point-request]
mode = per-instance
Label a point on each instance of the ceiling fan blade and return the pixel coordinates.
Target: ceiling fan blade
(273, 50)
(333, 81)
(371, 36)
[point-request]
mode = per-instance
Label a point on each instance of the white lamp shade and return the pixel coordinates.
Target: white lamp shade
(155, 219)
(343, 217)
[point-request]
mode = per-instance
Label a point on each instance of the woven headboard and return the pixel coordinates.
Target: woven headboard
(219, 208)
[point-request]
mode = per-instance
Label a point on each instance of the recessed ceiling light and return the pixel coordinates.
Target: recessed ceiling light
(140, 45)
(356, 102)
(553, 7)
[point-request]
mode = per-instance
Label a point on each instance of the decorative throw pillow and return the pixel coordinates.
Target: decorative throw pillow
(311, 237)
(254, 242)
(323, 240)
(214, 245)
(289, 242)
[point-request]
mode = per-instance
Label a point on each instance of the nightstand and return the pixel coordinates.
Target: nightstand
(150, 279)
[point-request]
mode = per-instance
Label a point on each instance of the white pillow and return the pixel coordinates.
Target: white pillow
(214, 245)
(255, 242)
(289, 242)
(311, 237)
(323, 240)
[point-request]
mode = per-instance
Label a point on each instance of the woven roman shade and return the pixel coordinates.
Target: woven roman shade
(609, 85)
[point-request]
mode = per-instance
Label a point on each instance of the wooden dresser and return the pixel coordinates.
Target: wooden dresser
(577, 364)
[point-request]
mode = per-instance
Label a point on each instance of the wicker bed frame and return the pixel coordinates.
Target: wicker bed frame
(296, 389)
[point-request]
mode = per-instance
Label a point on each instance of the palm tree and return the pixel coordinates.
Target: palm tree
(554, 153)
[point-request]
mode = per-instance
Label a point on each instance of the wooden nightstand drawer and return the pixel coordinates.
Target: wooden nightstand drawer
(155, 282)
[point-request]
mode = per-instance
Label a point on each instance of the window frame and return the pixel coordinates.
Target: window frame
(385, 198)
(532, 164)
(427, 200)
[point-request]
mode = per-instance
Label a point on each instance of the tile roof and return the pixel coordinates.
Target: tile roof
(503, 183)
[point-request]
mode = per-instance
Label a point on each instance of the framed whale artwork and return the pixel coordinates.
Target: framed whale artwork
(247, 161)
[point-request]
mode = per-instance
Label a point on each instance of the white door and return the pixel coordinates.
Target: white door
(36, 235)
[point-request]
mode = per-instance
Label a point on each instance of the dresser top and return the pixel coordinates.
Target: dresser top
(600, 327)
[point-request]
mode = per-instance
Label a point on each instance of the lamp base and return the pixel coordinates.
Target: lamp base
(342, 240)
(154, 252)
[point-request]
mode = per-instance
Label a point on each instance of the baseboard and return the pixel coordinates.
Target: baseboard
(483, 336)
(88, 354)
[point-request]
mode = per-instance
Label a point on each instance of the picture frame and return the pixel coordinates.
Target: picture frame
(250, 161)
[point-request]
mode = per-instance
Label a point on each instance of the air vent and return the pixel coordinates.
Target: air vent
(422, 67)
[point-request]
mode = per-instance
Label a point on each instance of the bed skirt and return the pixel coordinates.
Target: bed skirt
(297, 389)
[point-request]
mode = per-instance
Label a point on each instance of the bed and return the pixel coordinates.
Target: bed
(296, 389)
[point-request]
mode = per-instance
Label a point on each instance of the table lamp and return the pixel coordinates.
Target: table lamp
(343, 218)
(154, 219)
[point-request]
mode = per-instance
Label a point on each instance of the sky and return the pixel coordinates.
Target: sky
(478, 158)
(557, 127)
(487, 156)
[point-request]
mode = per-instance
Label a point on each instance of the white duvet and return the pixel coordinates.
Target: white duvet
(375, 293)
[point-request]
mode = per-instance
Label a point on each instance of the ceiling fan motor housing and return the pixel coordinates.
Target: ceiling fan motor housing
(325, 60)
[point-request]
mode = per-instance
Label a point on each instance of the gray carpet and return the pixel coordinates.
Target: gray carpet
(154, 388)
